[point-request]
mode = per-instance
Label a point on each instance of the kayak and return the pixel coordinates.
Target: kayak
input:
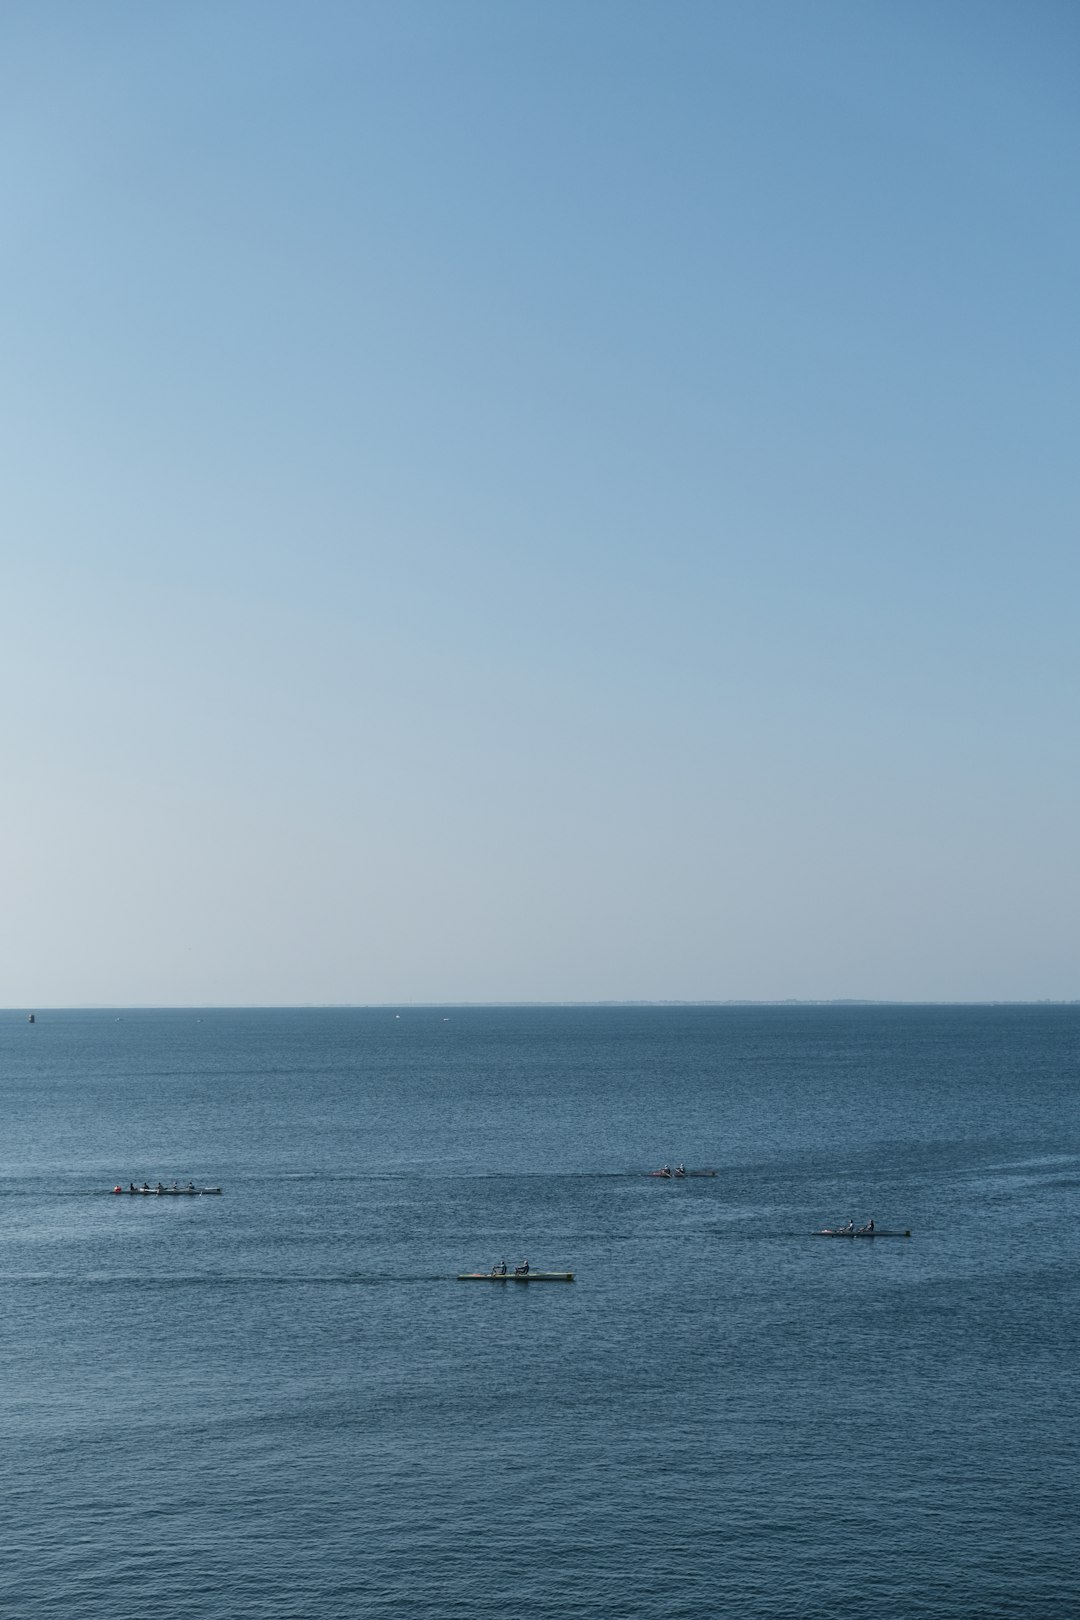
(524, 1276)
(167, 1192)
(828, 1231)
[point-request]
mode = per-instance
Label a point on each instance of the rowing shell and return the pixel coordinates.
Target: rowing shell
(524, 1276)
(679, 1175)
(829, 1231)
(166, 1192)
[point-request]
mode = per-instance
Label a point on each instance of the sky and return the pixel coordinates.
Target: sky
(512, 501)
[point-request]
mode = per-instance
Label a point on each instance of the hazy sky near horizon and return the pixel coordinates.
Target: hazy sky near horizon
(539, 501)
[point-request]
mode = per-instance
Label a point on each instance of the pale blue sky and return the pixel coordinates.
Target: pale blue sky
(539, 501)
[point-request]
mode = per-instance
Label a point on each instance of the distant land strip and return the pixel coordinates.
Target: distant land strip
(383, 1006)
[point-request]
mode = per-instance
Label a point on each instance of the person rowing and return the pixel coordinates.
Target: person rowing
(664, 1170)
(522, 1270)
(499, 1270)
(868, 1229)
(680, 1169)
(850, 1227)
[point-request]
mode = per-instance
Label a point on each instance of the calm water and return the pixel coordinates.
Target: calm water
(279, 1403)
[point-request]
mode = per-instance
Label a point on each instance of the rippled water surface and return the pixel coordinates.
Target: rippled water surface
(280, 1402)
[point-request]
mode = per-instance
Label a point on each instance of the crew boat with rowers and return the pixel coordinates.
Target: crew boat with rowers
(159, 1191)
(680, 1172)
(853, 1231)
(522, 1274)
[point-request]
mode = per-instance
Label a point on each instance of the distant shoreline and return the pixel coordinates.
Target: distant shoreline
(420, 1006)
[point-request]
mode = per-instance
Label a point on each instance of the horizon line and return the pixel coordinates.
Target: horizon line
(377, 1006)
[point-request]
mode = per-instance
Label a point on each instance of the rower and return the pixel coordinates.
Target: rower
(191, 1186)
(132, 1187)
(522, 1270)
(499, 1270)
(665, 1169)
(850, 1227)
(680, 1169)
(869, 1227)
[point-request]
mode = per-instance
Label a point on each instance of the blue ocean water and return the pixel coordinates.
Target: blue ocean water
(279, 1403)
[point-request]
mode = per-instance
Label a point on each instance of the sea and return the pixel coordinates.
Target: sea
(281, 1404)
